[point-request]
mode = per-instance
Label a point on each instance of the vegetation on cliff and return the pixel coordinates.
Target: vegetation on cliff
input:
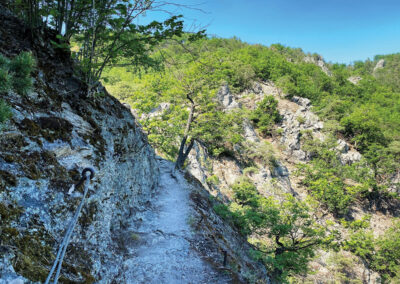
(365, 114)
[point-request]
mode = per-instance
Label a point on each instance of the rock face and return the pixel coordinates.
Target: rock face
(249, 132)
(319, 61)
(226, 98)
(354, 79)
(158, 111)
(379, 65)
(55, 132)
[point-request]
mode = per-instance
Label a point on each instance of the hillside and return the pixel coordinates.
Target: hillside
(273, 123)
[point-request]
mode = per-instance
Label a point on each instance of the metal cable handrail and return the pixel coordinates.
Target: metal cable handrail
(87, 175)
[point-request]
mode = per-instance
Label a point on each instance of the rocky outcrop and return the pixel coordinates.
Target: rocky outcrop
(379, 65)
(354, 79)
(248, 131)
(319, 61)
(158, 111)
(272, 178)
(298, 119)
(226, 98)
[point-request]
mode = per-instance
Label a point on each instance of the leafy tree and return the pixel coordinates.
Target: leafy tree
(360, 240)
(105, 30)
(290, 225)
(380, 253)
(363, 127)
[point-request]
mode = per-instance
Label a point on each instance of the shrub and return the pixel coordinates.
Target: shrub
(213, 180)
(21, 67)
(250, 170)
(301, 119)
(279, 131)
(5, 111)
(387, 258)
(331, 190)
(5, 80)
(4, 61)
(16, 74)
(266, 114)
(245, 191)
(262, 152)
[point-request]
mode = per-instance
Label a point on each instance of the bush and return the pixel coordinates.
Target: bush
(5, 111)
(261, 152)
(381, 253)
(5, 80)
(250, 170)
(332, 192)
(301, 119)
(15, 74)
(266, 114)
(363, 126)
(4, 61)
(245, 191)
(213, 180)
(21, 67)
(387, 258)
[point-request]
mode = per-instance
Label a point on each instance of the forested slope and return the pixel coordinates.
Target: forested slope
(288, 143)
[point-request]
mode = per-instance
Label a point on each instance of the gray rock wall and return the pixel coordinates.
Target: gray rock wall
(55, 131)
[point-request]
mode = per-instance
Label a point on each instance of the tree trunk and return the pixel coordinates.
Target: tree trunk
(182, 154)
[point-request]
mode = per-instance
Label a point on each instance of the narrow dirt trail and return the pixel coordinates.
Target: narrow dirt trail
(162, 253)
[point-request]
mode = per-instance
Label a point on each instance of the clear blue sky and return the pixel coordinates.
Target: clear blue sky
(340, 30)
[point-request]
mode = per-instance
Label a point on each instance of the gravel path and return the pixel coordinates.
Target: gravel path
(162, 252)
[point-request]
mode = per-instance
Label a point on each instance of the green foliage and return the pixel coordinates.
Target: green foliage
(5, 77)
(337, 186)
(380, 253)
(15, 74)
(5, 80)
(106, 32)
(288, 251)
(363, 127)
(360, 240)
(245, 192)
(214, 180)
(366, 114)
(260, 152)
(250, 170)
(61, 44)
(301, 119)
(387, 258)
(266, 114)
(5, 111)
(390, 74)
(333, 192)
